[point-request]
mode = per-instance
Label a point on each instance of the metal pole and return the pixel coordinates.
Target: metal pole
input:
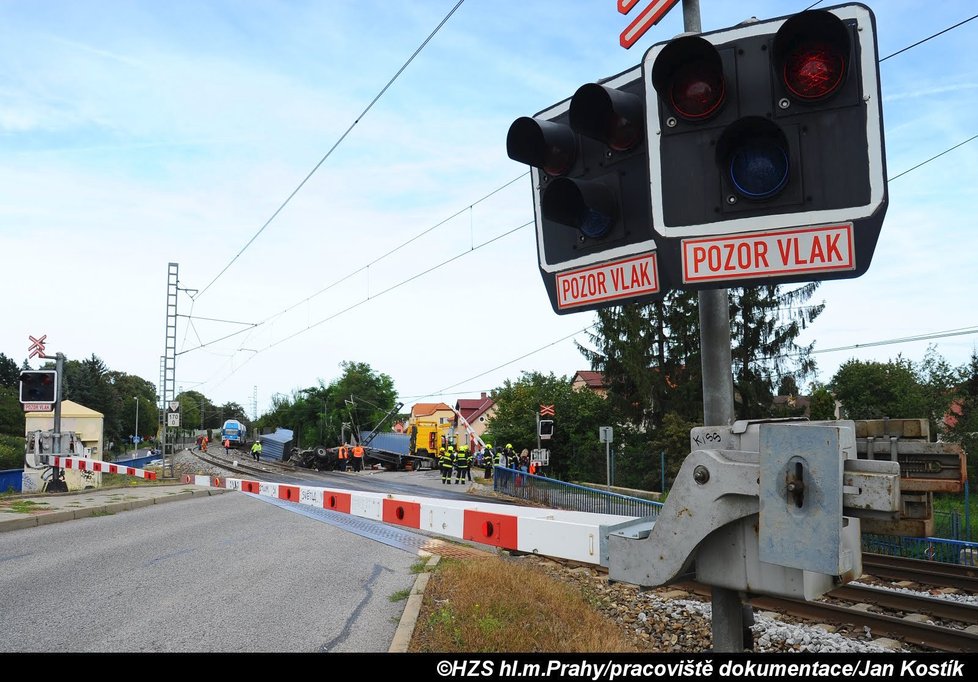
(538, 431)
(59, 366)
(728, 610)
(607, 458)
(718, 408)
(662, 470)
(135, 440)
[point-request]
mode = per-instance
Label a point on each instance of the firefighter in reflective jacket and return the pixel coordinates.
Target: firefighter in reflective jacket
(461, 465)
(445, 464)
(344, 458)
(488, 459)
(510, 458)
(358, 457)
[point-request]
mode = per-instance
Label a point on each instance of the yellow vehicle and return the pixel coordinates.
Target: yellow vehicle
(427, 437)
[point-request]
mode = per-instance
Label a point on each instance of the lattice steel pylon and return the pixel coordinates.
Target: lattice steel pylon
(169, 359)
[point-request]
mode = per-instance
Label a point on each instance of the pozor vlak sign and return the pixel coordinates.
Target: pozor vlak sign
(588, 159)
(766, 153)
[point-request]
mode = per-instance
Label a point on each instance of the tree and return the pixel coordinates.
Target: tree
(9, 373)
(873, 390)
(650, 354)
(360, 397)
(578, 415)
(765, 321)
(962, 422)
(822, 406)
(11, 411)
(650, 357)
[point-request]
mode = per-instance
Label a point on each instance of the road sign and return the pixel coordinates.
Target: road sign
(645, 20)
(173, 419)
(174, 405)
(606, 434)
(546, 410)
(37, 346)
(135, 439)
(38, 407)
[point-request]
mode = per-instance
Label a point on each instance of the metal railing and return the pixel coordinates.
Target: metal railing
(561, 495)
(927, 549)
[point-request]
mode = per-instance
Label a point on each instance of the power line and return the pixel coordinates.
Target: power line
(396, 248)
(906, 339)
(960, 144)
(400, 284)
(335, 145)
(920, 42)
(370, 298)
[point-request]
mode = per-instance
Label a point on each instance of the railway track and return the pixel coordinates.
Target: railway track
(908, 630)
(243, 466)
(923, 572)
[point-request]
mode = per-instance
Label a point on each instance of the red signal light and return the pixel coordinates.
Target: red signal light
(697, 90)
(688, 75)
(811, 52)
(814, 70)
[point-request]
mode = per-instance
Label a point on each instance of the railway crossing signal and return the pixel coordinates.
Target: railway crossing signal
(589, 170)
(39, 386)
(766, 149)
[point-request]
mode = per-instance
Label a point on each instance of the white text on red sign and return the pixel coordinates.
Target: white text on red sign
(769, 254)
(609, 281)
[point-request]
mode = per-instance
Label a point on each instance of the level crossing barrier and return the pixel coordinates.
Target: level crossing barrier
(558, 533)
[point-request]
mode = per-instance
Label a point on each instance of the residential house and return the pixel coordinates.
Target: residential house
(476, 411)
(593, 381)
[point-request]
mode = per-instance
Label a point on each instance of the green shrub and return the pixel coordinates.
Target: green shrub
(11, 452)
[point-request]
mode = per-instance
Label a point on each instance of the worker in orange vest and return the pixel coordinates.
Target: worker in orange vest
(358, 457)
(344, 458)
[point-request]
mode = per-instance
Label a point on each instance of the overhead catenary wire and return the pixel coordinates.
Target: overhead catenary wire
(335, 145)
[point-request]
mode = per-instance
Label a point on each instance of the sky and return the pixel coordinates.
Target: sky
(134, 134)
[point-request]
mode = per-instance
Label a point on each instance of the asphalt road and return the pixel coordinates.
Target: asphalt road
(227, 573)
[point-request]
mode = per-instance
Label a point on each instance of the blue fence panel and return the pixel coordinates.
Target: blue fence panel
(11, 479)
(137, 462)
(561, 495)
(926, 549)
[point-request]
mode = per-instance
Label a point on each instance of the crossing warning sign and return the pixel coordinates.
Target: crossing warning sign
(608, 281)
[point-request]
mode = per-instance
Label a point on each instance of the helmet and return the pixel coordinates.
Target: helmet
(509, 446)
(488, 446)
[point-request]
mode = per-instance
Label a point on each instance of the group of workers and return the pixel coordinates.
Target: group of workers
(348, 452)
(459, 461)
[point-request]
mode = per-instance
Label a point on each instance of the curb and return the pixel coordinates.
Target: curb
(103, 509)
(409, 619)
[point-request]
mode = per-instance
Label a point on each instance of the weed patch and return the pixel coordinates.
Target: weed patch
(496, 605)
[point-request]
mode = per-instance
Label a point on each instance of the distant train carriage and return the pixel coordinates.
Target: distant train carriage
(235, 432)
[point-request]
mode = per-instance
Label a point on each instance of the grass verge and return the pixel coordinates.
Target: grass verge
(495, 605)
(24, 506)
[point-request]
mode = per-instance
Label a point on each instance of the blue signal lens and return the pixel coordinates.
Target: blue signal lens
(594, 224)
(759, 168)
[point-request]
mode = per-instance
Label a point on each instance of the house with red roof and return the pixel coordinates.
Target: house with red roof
(476, 411)
(593, 381)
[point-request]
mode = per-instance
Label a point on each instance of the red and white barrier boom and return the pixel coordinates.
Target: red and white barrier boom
(97, 465)
(553, 532)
